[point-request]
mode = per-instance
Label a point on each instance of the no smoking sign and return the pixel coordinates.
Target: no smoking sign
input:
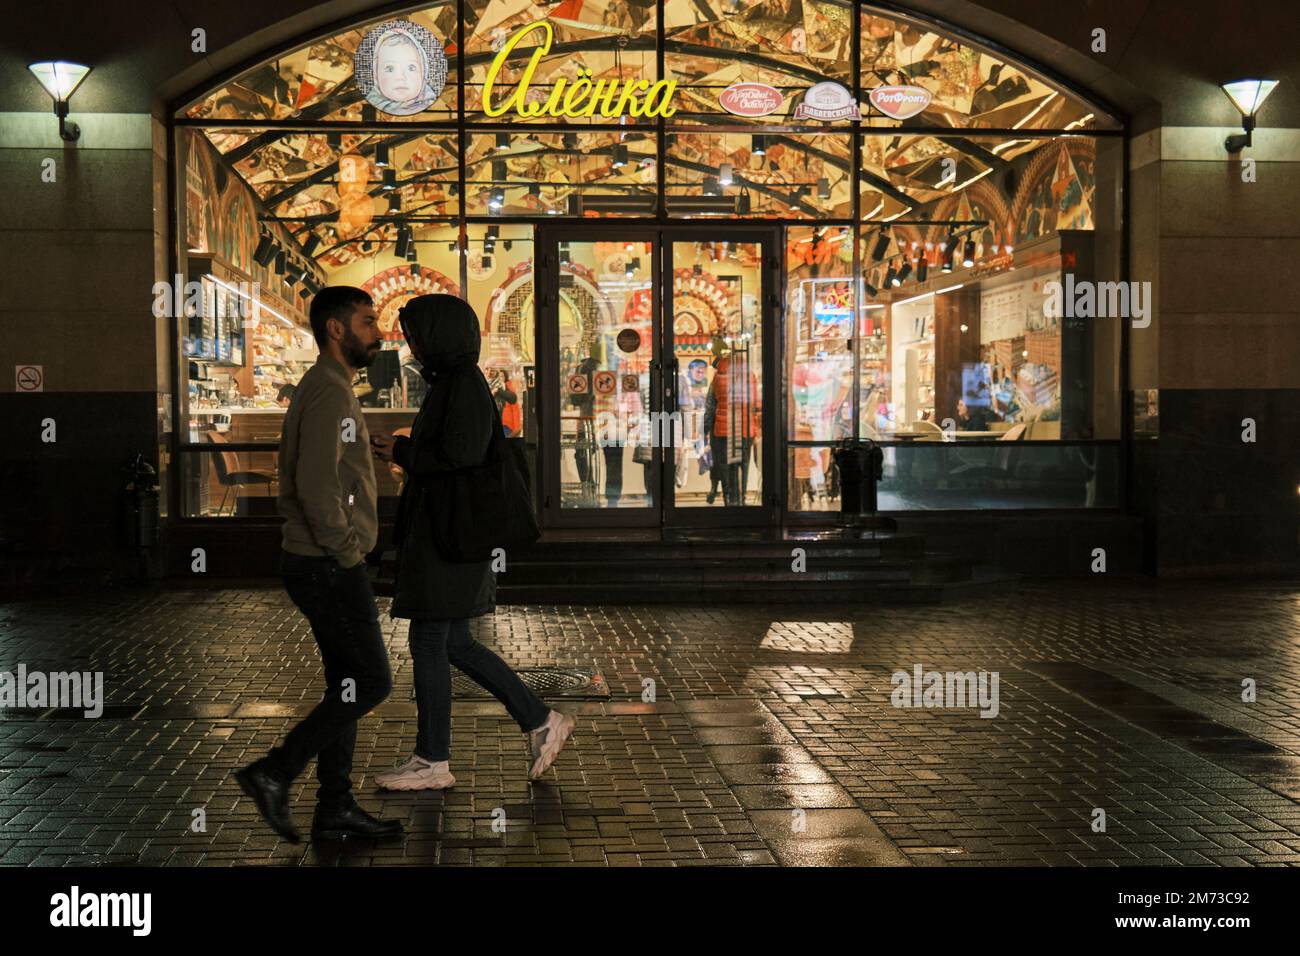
(29, 378)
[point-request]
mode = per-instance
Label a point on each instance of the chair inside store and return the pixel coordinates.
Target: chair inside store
(231, 475)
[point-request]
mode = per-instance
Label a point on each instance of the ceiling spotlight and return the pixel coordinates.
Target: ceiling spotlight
(575, 205)
(824, 188)
(725, 174)
(390, 179)
(882, 246)
(922, 268)
(415, 269)
(265, 250)
(499, 172)
(486, 262)
(279, 262)
(404, 240)
(497, 199)
(309, 247)
(508, 243)
(503, 140)
(968, 254)
(891, 278)
(1248, 96)
(758, 144)
(903, 273)
(742, 203)
(381, 156)
(61, 79)
(619, 154)
(711, 186)
(947, 252)
(570, 140)
(534, 191)
(395, 201)
(494, 232)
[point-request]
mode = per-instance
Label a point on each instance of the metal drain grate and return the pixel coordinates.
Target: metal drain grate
(569, 683)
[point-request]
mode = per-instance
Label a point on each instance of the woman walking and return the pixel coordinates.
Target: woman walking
(451, 431)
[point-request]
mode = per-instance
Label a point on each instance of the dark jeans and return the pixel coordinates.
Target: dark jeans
(435, 645)
(735, 476)
(341, 608)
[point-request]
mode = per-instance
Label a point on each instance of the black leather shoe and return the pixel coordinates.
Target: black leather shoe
(352, 821)
(271, 797)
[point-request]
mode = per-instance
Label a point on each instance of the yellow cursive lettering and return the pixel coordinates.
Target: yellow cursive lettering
(579, 98)
(517, 97)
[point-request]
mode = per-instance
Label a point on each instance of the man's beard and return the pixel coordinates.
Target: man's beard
(358, 355)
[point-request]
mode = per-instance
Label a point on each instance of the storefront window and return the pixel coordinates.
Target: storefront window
(790, 176)
(562, 174)
(915, 308)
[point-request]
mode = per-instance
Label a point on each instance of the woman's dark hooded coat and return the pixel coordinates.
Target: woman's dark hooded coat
(452, 430)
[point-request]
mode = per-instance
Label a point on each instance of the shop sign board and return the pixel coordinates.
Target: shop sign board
(580, 97)
(900, 102)
(29, 378)
(751, 99)
(827, 101)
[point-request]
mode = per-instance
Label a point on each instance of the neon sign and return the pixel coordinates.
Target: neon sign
(582, 97)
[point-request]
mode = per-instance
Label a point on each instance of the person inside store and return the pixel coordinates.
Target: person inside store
(329, 504)
(452, 430)
(285, 395)
(734, 424)
(971, 418)
(507, 401)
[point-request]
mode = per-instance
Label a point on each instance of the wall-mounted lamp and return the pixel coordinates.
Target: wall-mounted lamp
(1248, 96)
(61, 80)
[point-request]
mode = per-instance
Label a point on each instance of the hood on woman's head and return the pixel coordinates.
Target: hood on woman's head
(444, 330)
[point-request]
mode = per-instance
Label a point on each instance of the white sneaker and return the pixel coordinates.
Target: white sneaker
(545, 743)
(417, 774)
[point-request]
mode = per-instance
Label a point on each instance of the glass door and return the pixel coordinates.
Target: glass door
(599, 348)
(655, 358)
(718, 288)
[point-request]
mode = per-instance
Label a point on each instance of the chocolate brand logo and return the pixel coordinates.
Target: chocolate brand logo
(750, 99)
(827, 101)
(900, 102)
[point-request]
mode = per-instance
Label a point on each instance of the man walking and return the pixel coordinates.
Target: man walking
(328, 502)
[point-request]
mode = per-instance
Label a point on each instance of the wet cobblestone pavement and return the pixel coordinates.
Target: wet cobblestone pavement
(771, 739)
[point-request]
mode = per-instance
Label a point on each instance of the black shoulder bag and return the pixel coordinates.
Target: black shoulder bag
(486, 506)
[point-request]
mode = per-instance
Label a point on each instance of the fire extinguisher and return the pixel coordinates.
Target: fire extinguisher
(142, 510)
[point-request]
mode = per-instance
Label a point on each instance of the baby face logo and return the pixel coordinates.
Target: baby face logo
(400, 68)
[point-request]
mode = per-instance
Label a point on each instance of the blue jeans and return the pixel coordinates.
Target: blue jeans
(436, 644)
(340, 605)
